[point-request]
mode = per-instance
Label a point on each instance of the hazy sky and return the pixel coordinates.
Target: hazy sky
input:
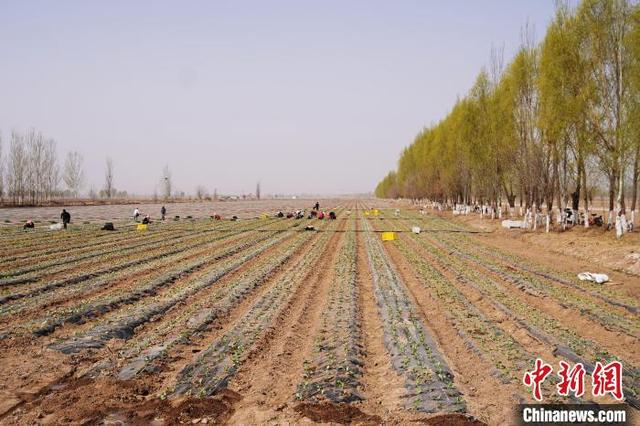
(305, 96)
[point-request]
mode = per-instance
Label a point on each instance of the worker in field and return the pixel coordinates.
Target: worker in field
(163, 211)
(146, 220)
(321, 215)
(136, 214)
(29, 225)
(66, 218)
(317, 207)
(332, 215)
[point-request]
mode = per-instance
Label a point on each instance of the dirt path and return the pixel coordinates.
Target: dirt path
(93, 398)
(184, 354)
(577, 249)
(481, 391)
(269, 379)
(571, 318)
(258, 337)
(383, 388)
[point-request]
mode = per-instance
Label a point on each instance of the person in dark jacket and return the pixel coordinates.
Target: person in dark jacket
(317, 207)
(29, 225)
(66, 218)
(146, 220)
(163, 211)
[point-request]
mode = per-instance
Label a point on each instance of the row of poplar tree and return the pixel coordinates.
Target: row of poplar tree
(560, 119)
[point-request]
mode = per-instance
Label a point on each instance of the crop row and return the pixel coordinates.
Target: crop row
(540, 325)
(482, 335)
(479, 332)
(180, 327)
(499, 292)
(197, 316)
(22, 243)
(123, 325)
(152, 240)
(523, 268)
(16, 255)
(78, 242)
(124, 263)
(414, 354)
(64, 268)
(516, 263)
(80, 293)
(210, 270)
(334, 372)
(531, 284)
(215, 366)
(82, 244)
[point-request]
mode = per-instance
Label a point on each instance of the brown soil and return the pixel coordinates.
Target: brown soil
(41, 386)
(268, 380)
(382, 386)
(336, 413)
(616, 341)
(576, 249)
(489, 399)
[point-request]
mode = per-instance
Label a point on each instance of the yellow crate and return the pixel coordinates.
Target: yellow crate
(142, 227)
(388, 236)
(376, 212)
(264, 216)
(366, 212)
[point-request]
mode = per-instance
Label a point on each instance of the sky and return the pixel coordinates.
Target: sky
(303, 96)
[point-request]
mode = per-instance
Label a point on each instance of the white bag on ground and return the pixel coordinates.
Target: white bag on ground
(512, 224)
(598, 278)
(415, 229)
(56, 226)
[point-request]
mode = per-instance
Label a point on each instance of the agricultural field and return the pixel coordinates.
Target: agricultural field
(119, 212)
(261, 321)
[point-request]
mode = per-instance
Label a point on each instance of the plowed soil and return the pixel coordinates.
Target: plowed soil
(233, 319)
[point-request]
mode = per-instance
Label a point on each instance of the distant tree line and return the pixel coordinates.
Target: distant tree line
(30, 172)
(562, 116)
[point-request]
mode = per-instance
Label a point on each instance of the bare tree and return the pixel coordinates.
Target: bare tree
(165, 181)
(108, 178)
(73, 174)
(16, 169)
(201, 192)
(35, 150)
(51, 170)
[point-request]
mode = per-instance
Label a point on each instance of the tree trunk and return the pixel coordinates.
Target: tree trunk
(612, 190)
(575, 195)
(585, 191)
(636, 172)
